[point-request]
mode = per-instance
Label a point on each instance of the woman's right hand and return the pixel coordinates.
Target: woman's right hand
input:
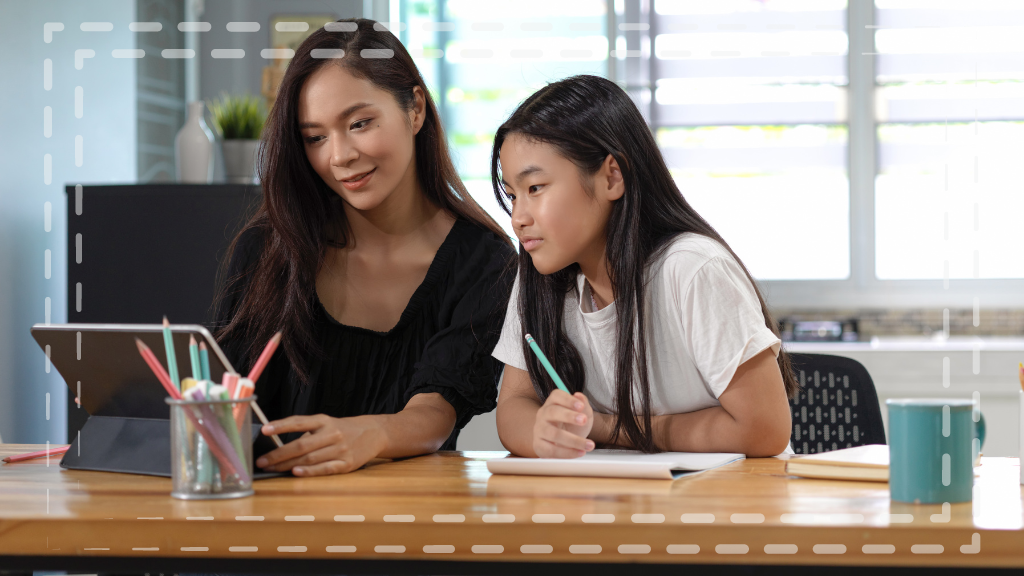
(562, 425)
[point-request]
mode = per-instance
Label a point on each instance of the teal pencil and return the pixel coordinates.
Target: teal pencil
(193, 356)
(547, 365)
(204, 360)
(172, 360)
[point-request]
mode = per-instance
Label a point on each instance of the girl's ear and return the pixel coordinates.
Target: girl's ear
(418, 112)
(610, 181)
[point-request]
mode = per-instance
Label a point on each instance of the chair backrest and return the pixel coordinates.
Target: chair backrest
(836, 407)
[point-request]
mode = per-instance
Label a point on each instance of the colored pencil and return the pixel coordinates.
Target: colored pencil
(223, 414)
(264, 358)
(205, 463)
(547, 365)
(244, 389)
(172, 359)
(39, 454)
(230, 381)
(193, 357)
(204, 360)
(158, 369)
(207, 424)
(165, 381)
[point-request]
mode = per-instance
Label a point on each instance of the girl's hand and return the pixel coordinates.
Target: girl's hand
(329, 445)
(562, 425)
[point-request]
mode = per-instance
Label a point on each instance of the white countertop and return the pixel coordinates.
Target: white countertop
(913, 344)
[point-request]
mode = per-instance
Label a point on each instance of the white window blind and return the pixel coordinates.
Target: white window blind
(749, 107)
(950, 106)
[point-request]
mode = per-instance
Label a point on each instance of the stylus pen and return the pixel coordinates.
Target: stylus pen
(547, 365)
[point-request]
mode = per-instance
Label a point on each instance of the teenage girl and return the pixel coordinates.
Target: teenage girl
(385, 276)
(654, 324)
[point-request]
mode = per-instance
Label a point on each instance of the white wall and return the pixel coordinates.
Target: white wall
(108, 130)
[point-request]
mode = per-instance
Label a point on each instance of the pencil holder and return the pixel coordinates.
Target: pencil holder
(211, 448)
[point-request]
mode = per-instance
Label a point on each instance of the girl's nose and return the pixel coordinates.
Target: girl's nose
(520, 215)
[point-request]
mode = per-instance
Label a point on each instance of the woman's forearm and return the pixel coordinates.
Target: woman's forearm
(420, 428)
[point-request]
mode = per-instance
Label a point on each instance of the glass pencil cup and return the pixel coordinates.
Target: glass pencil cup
(211, 448)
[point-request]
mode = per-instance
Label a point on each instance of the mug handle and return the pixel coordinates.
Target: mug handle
(979, 435)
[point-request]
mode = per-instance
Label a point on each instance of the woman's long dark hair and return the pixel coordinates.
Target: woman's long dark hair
(586, 118)
(301, 215)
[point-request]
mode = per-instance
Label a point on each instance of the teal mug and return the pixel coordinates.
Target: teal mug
(933, 445)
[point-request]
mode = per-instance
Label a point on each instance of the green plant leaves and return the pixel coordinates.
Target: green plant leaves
(238, 117)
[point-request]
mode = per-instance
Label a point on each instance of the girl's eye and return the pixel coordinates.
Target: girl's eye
(511, 197)
(312, 139)
(361, 124)
(534, 188)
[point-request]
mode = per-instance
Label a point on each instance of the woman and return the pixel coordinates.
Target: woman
(387, 279)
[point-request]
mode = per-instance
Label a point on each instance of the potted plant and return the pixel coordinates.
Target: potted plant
(239, 121)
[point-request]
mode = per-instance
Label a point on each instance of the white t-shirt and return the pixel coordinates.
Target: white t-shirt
(705, 321)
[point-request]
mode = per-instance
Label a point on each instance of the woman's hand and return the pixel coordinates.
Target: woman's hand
(329, 445)
(562, 425)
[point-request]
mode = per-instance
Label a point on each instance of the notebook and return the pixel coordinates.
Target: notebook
(869, 462)
(615, 464)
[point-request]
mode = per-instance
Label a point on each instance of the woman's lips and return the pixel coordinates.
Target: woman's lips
(531, 243)
(359, 183)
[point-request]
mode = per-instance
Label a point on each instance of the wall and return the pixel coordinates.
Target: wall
(244, 74)
(107, 126)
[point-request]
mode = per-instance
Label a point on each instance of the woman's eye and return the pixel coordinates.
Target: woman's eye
(312, 139)
(361, 124)
(534, 188)
(511, 197)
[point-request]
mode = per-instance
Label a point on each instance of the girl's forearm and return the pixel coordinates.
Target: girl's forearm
(515, 418)
(711, 430)
(601, 433)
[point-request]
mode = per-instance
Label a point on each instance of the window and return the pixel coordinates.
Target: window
(950, 107)
(482, 59)
(749, 108)
(853, 154)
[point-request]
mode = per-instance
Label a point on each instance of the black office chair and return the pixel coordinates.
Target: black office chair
(836, 406)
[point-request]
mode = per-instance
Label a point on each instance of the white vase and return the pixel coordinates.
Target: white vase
(240, 160)
(193, 148)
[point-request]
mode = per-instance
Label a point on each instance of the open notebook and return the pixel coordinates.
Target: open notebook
(615, 464)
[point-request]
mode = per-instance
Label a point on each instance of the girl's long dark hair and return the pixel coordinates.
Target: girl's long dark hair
(301, 216)
(586, 118)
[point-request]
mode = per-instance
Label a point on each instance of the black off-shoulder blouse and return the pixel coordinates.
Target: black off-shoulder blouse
(442, 342)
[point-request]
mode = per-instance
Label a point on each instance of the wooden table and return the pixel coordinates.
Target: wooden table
(445, 513)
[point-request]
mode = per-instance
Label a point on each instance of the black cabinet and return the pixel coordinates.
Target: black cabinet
(139, 252)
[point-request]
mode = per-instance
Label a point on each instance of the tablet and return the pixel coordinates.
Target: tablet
(101, 364)
(128, 428)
